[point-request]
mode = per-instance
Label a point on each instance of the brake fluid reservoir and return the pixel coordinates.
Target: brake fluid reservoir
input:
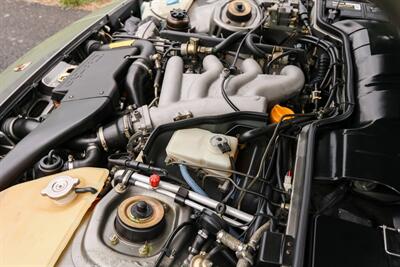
(204, 148)
(161, 8)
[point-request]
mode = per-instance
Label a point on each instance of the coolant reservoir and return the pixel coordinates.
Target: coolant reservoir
(161, 8)
(202, 147)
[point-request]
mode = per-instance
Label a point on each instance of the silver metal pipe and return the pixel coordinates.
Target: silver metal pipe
(211, 203)
(187, 202)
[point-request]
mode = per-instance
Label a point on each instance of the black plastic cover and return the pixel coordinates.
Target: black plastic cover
(271, 250)
(367, 148)
(97, 76)
(90, 92)
(341, 243)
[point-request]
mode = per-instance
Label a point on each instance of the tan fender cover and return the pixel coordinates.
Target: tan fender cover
(33, 229)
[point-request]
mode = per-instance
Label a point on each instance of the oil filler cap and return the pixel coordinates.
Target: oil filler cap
(61, 189)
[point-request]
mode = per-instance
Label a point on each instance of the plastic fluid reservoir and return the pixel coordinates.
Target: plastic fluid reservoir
(204, 148)
(161, 8)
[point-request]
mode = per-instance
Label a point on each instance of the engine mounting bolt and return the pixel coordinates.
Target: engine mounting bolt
(154, 180)
(144, 250)
(114, 239)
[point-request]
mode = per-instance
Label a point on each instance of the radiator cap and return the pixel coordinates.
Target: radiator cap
(61, 189)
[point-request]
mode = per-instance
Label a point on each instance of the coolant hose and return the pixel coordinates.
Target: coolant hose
(190, 181)
(139, 72)
(229, 41)
(91, 159)
(252, 46)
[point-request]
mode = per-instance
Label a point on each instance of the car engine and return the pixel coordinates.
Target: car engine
(199, 111)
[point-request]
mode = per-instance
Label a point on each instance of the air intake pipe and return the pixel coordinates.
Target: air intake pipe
(18, 127)
(139, 73)
(111, 136)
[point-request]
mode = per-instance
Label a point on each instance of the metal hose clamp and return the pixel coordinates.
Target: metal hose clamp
(11, 126)
(100, 134)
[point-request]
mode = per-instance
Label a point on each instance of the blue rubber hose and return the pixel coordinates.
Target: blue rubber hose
(190, 181)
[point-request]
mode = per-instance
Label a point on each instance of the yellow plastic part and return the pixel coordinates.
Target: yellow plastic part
(33, 229)
(278, 112)
(121, 44)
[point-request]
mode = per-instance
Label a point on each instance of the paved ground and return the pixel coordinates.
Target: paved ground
(24, 25)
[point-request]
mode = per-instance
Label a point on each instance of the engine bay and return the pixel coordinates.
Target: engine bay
(205, 115)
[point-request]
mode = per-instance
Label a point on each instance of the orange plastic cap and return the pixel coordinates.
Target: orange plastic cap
(278, 112)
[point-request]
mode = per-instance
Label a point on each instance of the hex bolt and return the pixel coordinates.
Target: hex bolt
(114, 239)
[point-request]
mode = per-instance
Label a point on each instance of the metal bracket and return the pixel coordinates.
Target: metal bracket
(385, 240)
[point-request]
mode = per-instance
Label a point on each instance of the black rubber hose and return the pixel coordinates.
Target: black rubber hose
(135, 82)
(92, 159)
(17, 128)
(171, 237)
(322, 68)
(226, 43)
(139, 72)
(114, 135)
(209, 41)
(252, 134)
(252, 46)
(83, 141)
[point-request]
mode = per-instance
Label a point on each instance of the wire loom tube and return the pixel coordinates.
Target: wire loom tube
(190, 181)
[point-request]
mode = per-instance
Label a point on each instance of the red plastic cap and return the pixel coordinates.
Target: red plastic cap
(154, 180)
